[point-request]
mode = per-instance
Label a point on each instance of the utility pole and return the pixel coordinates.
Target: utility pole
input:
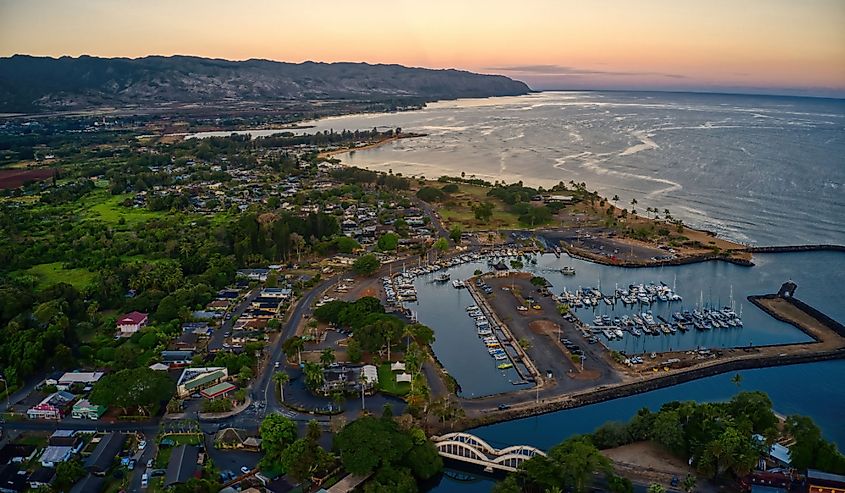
(363, 384)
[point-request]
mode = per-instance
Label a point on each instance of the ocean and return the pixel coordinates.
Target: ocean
(764, 170)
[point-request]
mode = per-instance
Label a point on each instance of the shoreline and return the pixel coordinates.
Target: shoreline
(372, 145)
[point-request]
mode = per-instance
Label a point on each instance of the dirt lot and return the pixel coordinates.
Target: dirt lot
(647, 461)
(14, 178)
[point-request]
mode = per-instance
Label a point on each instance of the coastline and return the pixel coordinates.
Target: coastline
(372, 145)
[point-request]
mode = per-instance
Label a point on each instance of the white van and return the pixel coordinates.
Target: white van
(144, 480)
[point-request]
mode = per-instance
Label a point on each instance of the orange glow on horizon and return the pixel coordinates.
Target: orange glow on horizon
(659, 43)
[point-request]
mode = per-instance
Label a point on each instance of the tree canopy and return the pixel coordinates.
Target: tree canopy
(140, 388)
(366, 265)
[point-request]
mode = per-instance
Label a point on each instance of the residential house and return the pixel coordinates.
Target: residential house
(187, 341)
(42, 477)
(177, 359)
(101, 459)
(201, 329)
(85, 410)
(280, 293)
(254, 274)
(16, 453)
(89, 484)
(54, 406)
(182, 465)
(235, 438)
(86, 378)
(61, 446)
(559, 199)
(131, 323)
(218, 305)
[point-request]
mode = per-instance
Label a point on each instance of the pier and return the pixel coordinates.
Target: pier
(522, 362)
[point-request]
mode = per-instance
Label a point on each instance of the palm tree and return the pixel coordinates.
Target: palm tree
(656, 488)
(293, 347)
(313, 375)
(689, 483)
(737, 379)
(281, 378)
(327, 356)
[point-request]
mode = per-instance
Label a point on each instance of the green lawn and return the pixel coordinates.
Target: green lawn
(53, 273)
(163, 455)
(387, 382)
(108, 208)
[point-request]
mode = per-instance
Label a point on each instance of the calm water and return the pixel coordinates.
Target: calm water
(759, 169)
(460, 350)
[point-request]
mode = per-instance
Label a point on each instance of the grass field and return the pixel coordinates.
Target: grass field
(457, 209)
(110, 210)
(387, 382)
(53, 273)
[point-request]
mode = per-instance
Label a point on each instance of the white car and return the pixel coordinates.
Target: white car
(522, 308)
(245, 469)
(142, 444)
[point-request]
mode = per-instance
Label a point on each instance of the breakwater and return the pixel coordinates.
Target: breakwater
(796, 248)
(815, 313)
(627, 390)
(600, 259)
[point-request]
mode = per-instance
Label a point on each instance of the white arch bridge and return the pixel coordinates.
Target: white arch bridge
(473, 450)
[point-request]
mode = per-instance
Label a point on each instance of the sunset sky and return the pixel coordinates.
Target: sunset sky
(785, 45)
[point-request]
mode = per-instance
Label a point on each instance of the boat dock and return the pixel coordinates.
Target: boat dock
(513, 351)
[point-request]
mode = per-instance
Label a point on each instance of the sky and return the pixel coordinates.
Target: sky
(787, 46)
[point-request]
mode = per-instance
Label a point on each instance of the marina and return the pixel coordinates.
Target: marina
(443, 307)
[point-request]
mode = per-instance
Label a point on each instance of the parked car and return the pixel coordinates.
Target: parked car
(245, 469)
(142, 445)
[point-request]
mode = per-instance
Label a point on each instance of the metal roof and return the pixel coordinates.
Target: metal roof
(204, 379)
(101, 458)
(182, 464)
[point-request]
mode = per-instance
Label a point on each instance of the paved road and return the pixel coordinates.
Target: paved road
(218, 336)
(262, 389)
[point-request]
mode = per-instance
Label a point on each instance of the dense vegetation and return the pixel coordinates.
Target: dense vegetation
(717, 438)
(397, 456)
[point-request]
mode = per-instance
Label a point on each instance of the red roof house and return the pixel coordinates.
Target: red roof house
(131, 322)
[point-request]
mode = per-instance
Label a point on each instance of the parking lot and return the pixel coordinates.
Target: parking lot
(547, 333)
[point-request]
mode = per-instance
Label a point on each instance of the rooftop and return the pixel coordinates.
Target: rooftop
(132, 318)
(182, 464)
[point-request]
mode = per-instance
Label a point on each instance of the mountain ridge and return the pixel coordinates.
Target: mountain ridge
(32, 84)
